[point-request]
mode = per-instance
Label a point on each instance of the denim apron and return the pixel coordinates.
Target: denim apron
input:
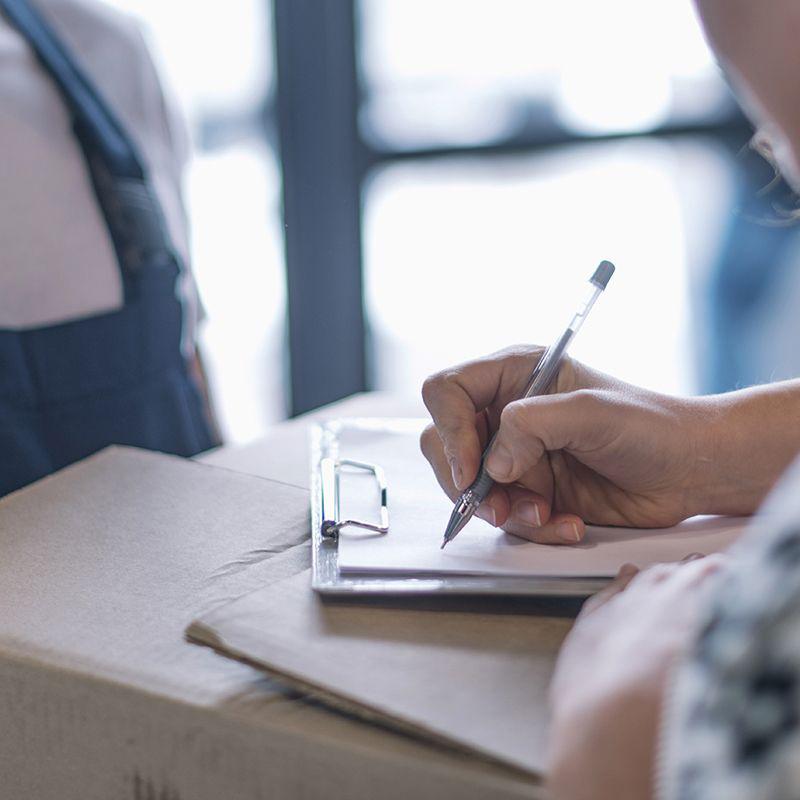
(70, 389)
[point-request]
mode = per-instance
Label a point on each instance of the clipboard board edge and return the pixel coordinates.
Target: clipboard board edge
(328, 581)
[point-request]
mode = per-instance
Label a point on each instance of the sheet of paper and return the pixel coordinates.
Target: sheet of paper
(419, 511)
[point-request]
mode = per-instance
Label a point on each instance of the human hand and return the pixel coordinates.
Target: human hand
(595, 450)
(607, 690)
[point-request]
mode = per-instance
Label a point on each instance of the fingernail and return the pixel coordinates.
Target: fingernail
(528, 513)
(486, 512)
(458, 475)
(568, 532)
(692, 557)
(500, 463)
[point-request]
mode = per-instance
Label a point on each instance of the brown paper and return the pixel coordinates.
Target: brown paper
(476, 679)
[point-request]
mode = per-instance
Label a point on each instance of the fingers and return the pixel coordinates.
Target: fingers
(682, 575)
(679, 578)
(627, 572)
(495, 506)
(561, 529)
(530, 518)
(527, 510)
(432, 448)
(517, 510)
(455, 396)
(529, 428)
(453, 404)
(694, 570)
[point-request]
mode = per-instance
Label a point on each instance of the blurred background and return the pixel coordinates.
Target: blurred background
(382, 188)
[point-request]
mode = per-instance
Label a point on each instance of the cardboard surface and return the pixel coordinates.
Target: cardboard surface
(104, 563)
(476, 679)
(101, 696)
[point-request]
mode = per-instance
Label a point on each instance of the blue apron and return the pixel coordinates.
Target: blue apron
(71, 389)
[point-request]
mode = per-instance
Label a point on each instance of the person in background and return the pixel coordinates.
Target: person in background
(681, 681)
(98, 308)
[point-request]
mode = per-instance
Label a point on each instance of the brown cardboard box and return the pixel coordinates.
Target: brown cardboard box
(100, 695)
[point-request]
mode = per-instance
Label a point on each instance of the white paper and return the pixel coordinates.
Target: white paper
(419, 511)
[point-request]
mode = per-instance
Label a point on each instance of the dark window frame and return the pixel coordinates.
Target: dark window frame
(324, 162)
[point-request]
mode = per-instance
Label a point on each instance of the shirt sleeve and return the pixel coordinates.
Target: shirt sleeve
(731, 723)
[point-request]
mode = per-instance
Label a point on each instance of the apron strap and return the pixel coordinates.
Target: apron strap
(132, 211)
(89, 111)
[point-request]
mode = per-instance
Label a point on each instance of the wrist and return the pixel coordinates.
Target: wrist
(707, 486)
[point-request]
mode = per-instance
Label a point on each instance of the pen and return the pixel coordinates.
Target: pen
(539, 382)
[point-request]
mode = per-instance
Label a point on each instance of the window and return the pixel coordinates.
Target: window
(496, 191)
(218, 61)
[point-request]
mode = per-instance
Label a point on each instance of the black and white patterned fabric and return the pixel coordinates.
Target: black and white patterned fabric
(731, 723)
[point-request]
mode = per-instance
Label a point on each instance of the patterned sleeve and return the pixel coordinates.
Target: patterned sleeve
(731, 725)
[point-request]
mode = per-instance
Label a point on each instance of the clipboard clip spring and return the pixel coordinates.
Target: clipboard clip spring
(330, 472)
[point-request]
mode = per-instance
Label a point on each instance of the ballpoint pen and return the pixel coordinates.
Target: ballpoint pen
(539, 382)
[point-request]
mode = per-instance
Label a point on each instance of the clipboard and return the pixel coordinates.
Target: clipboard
(329, 460)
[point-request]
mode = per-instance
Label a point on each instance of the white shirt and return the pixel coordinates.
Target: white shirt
(57, 262)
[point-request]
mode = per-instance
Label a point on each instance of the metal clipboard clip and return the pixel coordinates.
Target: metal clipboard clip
(330, 474)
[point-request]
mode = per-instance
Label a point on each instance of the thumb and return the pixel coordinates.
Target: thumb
(531, 427)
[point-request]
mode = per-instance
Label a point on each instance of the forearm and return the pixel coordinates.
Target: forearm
(745, 440)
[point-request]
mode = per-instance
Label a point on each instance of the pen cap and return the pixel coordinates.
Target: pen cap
(602, 275)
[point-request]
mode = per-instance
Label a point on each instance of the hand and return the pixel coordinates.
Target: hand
(595, 450)
(607, 691)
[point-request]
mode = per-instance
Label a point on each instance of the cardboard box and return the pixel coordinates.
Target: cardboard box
(100, 695)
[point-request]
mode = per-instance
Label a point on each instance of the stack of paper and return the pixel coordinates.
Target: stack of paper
(419, 511)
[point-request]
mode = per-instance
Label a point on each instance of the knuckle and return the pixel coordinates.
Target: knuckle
(585, 401)
(519, 352)
(522, 532)
(430, 388)
(432, 385)
(520, 358)
(512, 416)
(658, 572)
(427, 441)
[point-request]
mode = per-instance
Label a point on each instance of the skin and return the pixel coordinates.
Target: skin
(756, 44)
(605, 720)
(599, 450)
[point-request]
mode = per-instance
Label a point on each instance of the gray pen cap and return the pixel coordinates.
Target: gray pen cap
(602, 275)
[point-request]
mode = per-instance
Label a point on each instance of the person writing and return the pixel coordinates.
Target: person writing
(682, 681)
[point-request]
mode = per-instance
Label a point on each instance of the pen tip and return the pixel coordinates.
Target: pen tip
(454, 527)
